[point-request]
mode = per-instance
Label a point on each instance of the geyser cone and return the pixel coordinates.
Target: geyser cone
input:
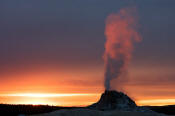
(111, 100)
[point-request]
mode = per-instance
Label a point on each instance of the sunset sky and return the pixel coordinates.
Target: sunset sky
(51, 51)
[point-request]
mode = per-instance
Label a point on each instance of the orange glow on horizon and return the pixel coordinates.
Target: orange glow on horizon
(46, 95)
(69, 99)
(82, 87)
(156, 102)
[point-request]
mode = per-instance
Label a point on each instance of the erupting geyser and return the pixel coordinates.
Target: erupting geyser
(120, 36)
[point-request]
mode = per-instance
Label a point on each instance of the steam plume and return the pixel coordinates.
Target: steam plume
(120, 34)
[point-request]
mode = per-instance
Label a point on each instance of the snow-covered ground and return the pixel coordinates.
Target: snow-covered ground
(88, 112)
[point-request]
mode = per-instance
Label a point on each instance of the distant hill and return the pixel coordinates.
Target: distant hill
(169, 109)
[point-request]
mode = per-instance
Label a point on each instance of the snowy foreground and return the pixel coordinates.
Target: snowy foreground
(89, 112)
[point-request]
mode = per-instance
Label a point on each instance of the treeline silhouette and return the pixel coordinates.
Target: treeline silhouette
(14, 110)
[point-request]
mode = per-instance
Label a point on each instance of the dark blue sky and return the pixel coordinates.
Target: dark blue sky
(73, 30)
